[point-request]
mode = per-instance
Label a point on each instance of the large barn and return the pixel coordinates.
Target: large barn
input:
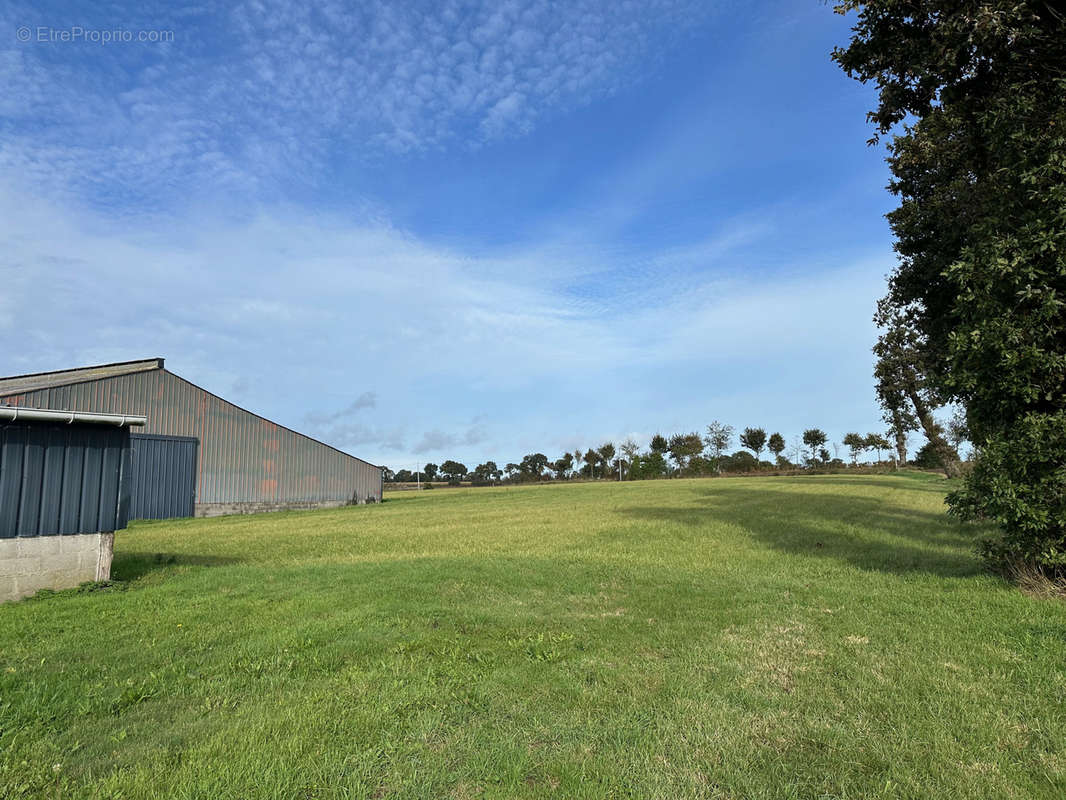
(198, 454)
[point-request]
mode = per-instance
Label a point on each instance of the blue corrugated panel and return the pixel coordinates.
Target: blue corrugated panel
(164, 476)
(63, 479)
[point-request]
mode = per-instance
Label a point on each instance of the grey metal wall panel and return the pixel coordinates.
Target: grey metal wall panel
(242, 457)
(62, 479)
(163, 484)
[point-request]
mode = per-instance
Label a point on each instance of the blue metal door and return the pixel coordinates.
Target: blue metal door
(164, 476)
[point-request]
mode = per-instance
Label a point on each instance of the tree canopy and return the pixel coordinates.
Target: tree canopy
(755, 440)
(975, 91)
(815, 439)
(719, 437)
(776, 444)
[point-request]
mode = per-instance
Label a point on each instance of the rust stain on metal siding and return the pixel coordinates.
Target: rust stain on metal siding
(242, 457)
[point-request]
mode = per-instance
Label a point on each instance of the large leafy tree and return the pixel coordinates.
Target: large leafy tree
(755, 440)
(592, 458)
(857, 443)
(875, 441)
(606, 453)
(486, 473)
(533, 466)
(776, 445)
(562, 466)
(453, 471)
(684, 447)
(815, 439)
(976, 91)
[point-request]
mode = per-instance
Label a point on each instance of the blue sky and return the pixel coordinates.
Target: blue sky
(449, 230)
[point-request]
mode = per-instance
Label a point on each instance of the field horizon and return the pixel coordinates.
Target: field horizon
(784, 637)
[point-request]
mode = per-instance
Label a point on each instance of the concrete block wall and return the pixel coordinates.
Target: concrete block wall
(31, 563)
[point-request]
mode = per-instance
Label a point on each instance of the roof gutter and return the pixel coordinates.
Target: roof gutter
(16, 413)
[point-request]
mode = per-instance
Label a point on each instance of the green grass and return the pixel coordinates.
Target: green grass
(819, 637)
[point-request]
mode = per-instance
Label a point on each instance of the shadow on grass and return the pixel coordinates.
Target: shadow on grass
(912, 482)
(129, 566)
(862, 531)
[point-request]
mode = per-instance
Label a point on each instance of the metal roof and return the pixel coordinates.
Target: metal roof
(18, 384)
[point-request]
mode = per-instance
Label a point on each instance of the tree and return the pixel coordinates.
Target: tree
(453, 471)
(430, 471)
(740, 461)
(404, 476)
(776, 445)
(512, 470)
(659, 444)
(980, 170)
(631, 451)
(875, 441)
(683, 447)
(898, 430)
(648, 465)
(928, 457)
(815, 440)
(533, 466)
(578, 457)
(957, 429)
(904, 373)
(855, 442)
(561, 467)
(486, 473)
(387, 475)
(606, 454)
(755, 440)
(592, 458)
(718, 438)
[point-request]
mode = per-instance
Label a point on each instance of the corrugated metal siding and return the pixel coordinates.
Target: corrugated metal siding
(163, 469)
(62, 479)
(243, 457)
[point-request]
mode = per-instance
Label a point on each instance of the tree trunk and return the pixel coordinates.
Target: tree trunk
(943, 449)
(900, 433)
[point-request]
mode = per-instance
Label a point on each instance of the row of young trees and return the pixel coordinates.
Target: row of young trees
(680, 454)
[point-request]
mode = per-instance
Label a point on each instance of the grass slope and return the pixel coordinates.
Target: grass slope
(818, 637)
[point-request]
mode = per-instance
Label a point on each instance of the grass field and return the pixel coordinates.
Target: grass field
(819, 637)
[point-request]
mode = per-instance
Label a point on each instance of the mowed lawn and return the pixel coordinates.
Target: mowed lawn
(811, 637)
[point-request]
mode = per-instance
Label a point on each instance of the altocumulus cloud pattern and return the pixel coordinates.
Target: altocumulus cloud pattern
(268, 86)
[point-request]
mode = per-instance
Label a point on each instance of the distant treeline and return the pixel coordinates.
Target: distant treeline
(680, 455)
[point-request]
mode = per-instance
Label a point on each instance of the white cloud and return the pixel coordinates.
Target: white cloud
(271, 90)
(304, 312)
